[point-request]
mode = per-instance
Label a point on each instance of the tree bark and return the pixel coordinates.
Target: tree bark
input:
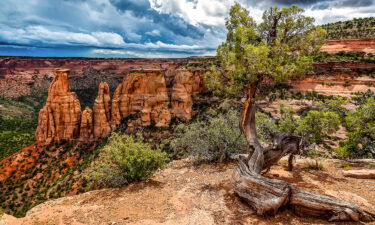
(266, 195)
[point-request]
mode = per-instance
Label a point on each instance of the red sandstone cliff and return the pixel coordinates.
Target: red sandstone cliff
(142, 92)
(359, 45)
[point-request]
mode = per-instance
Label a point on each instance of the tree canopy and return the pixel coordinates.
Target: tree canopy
(279, 48)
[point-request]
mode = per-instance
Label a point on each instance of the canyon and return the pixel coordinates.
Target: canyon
(142, 92)
(22, 76)
(132, 93)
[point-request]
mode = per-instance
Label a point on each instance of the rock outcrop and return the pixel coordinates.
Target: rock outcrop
(144, 92)
(142, 99)
(86, 129)
(60, 118)
(102, 114)
(187, 85)
(355, 45)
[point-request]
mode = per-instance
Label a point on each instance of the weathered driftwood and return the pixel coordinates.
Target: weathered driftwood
(266, 195)
(361, 174)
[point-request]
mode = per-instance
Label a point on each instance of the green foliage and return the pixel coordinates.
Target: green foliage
(288, 122)
(266, 126)
(18, 121)
(213, 140)
(360, 98)
(346, 166)
(123, 160)
(357, 56)
(279, 48)
(316, 126)
(361, 132)
(351, 29)
(334, 105)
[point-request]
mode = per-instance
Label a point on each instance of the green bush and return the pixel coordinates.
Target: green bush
(123, 160)
(316, 126)
(313, 127)
(361, 132)
(334, 105)
(212, 140)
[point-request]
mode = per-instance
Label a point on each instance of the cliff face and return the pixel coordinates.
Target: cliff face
(19, 76)
(355, 45)
(142, 93)
(338, 78)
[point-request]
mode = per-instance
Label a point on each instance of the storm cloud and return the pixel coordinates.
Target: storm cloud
(139, 28)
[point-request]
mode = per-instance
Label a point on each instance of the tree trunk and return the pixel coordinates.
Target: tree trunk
(266, 195)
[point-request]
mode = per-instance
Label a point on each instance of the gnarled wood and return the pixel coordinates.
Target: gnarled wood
(266, 195)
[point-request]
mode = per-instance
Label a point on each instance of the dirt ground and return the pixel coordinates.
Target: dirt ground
(186, 194)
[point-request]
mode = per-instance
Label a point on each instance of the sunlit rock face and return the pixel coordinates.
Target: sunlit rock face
(145, 93)
(102, 113)
(60, 118)
(86, 129)
(187, 85)
(141, 99)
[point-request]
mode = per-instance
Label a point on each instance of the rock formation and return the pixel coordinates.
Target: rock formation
(60, 118)
(186, 85)
(86, 129)
(143, 95)
(102, 114)
(115, 108)
(144, 92)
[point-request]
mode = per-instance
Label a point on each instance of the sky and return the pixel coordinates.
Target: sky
(139, 28)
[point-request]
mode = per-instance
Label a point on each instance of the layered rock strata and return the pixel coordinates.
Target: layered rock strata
(102, 114)
(186, 86)
(60, 118)
(141, 99)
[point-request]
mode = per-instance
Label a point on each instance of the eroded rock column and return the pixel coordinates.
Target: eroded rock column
(60, 118)
(102, 113)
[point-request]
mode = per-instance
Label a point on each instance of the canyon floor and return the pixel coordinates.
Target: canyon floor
(184, 193)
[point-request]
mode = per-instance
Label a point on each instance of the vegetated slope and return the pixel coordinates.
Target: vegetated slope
(187, 194)
(351, 29)
(18, 121)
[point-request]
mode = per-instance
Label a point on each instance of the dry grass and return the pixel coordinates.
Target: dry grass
(314, 164)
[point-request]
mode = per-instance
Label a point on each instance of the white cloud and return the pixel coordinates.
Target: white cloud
(31, 34)
(140, 54)
(330, 15)
(153, 33)
(208, 12)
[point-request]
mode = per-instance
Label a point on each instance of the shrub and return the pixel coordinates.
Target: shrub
(334, 105)
(265, 126)
(361, 132)
(316, 126)
(212, 140)
(313, 127)
(123, 160)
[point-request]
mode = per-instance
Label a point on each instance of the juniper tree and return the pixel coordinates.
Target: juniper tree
(279, 48)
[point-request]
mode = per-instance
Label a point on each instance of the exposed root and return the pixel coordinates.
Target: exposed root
(266, 196)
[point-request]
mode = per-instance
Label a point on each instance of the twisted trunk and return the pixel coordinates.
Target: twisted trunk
(266, 195)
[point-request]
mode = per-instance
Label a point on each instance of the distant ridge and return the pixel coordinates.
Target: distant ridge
(351, 29)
